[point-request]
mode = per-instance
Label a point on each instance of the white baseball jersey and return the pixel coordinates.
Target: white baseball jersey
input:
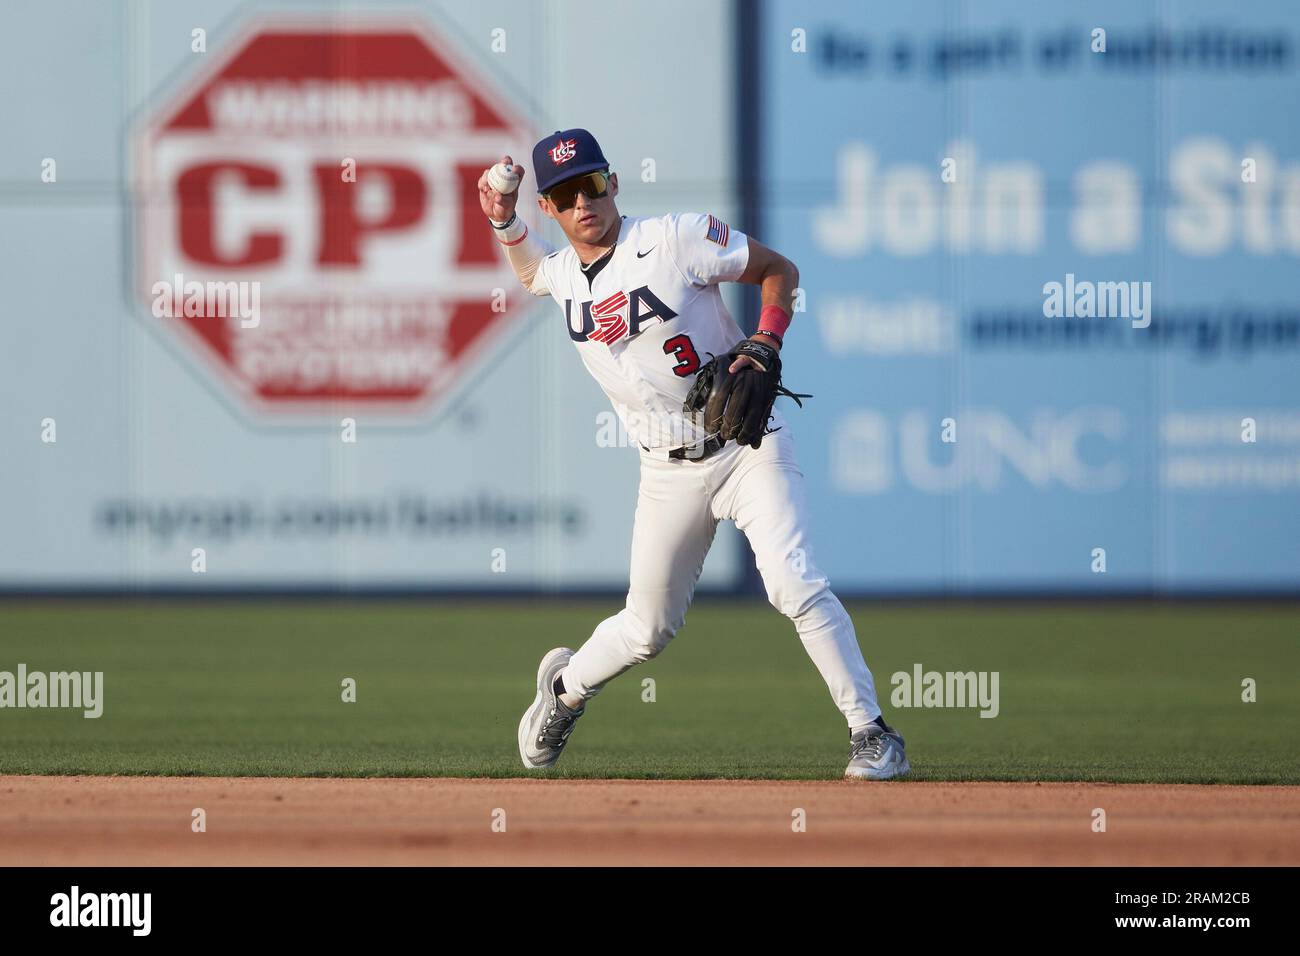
(647, 316)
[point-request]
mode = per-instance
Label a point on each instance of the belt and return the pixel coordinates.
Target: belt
(699, 451)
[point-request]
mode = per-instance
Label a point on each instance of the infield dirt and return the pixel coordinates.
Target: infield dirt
(427, 821)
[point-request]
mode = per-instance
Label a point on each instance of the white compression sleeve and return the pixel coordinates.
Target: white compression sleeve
(525, 252)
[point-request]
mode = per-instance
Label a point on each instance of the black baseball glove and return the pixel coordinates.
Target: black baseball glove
(738, 405)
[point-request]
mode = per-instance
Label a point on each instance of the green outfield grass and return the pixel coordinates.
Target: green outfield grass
(1087, 692)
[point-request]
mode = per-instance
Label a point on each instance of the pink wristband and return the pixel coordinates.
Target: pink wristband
(774, 319)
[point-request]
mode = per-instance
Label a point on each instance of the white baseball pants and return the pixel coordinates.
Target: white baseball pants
(677, 513)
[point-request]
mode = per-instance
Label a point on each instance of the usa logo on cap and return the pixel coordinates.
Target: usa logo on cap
(563, 151)
(565, 154)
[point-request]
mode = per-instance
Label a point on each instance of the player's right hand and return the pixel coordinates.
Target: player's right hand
(498, 206)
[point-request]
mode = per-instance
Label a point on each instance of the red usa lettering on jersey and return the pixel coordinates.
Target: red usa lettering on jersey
(610, 324)
(617, 315)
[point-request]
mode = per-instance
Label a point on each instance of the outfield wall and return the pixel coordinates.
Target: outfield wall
(959, 158)
(930, 169)
(482, 456)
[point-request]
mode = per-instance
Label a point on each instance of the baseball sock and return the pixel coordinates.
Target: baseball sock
(879, 721)
(571, 701)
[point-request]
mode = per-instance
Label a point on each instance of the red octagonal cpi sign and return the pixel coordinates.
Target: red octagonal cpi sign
(308, 219)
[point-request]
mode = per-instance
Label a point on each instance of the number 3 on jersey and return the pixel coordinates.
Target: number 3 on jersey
(688, 360)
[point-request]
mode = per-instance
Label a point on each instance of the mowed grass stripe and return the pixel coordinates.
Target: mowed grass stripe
(1123, 693)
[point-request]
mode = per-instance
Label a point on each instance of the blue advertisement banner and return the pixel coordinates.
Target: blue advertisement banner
(1049, 307)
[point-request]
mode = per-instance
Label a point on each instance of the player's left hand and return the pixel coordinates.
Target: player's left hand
(737, 406)
(744, 361)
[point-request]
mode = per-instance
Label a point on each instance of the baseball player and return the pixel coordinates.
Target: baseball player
(641, 304)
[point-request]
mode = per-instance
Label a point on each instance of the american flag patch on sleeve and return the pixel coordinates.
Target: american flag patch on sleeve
(719, 231)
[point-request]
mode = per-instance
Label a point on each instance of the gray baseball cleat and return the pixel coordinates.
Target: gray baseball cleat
(876, 753)
(545, 727)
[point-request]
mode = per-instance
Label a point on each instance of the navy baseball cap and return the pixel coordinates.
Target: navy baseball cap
(564, 154)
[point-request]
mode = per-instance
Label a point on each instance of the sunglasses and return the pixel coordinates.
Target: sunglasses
(565, 195)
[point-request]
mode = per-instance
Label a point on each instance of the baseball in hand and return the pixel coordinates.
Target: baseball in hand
(503, 178)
